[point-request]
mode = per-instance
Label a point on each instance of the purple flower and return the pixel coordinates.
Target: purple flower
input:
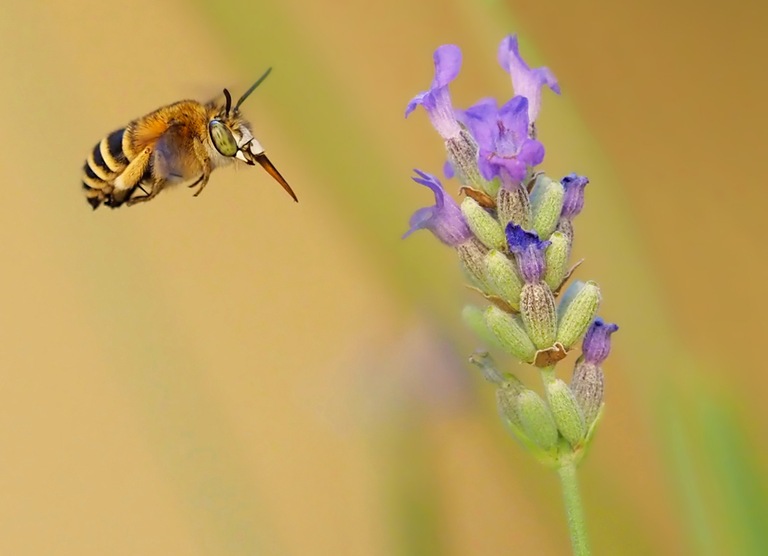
(502, 138)
(597, 341)
(530, 252)
(444, 219)
(573, 202)
(526, 82)
(437, 100)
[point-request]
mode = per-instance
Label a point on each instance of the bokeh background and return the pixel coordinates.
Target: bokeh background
(237, 374)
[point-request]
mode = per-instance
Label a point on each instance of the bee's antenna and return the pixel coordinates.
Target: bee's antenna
(252, 88)
(229, 101)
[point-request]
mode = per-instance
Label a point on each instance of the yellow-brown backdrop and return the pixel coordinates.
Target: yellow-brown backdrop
(236, 374)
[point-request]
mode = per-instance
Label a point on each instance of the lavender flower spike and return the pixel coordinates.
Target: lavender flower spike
(444, 219)
(530, 252)
(597, 341)
(573, 201)
(437, 100)
(525, 81)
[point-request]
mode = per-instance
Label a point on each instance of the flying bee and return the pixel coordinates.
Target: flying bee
(181, 143)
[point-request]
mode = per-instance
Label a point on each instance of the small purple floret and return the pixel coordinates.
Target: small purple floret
(529, 250)
(504, 146)
(444, 219)
(437, 100)
(573, 202)
(597, 341)
(526, 82)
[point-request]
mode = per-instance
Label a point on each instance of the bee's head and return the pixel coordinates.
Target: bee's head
(232, 137)
(231, 134)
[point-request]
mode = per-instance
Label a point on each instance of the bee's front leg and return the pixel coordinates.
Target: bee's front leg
(203, 158)
(203, 181)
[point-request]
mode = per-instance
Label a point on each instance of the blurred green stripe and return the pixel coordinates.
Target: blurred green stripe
(735, 464)
(312, 105)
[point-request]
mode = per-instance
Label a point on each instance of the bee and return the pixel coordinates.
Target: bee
(181, 143)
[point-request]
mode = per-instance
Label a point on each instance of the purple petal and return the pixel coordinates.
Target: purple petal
(519, 240)
(529, 251)
(437, 100)
(444, 219)
(516, 168)
(420, 220)
(573, 202)
(597, 341)
(488, 169)
(415, 101)
(532, 152)
(484, 109)
(447, 64)
(526, 82)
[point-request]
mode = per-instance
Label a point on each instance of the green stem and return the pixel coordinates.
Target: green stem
(573, 509)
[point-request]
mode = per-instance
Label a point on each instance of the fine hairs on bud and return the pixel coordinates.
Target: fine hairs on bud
(537, 308)
(587, 387)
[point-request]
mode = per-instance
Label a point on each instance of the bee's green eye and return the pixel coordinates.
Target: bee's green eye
(222, 138)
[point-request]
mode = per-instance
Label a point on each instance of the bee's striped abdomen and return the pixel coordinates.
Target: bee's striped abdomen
(103, 165)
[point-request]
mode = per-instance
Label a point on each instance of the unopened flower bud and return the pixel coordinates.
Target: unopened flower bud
(487, 365)
(483, 225)
(537, 309)
(503, 278)
(536, 420)
(556, 258)
(462, 154)
(472, 256)
(474, 317)
(512, 205)
(546, 205)
(506, 400)
(587, 387)
(510, 333)
(566, 411)
(576, 311)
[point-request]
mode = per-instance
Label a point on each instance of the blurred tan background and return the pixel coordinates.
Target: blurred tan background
(237, 374)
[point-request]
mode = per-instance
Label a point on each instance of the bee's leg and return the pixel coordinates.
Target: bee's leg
(125, 184)
(157, 185)
(196, 182)
(203, 181)
(201, 153)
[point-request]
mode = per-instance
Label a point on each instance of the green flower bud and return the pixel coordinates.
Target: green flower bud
(474, 318)
(565, 226)
(502, 277)
(537, 309)
(462, 153)
(587, 387)
(536, 420)
(546, 205)
(509, 333)
(576, 311)
(483, 225)
(514, 206)
(506, 400)
(556, 257)
(483, 361)
(472, 256)
(566, 411)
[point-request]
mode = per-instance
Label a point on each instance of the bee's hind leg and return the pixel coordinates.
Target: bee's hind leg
(157, 185)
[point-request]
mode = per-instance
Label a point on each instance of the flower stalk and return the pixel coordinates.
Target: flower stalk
(513, 234)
